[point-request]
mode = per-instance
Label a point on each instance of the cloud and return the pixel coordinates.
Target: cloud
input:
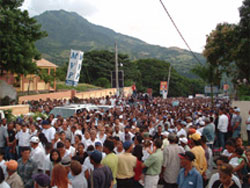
(82, 7)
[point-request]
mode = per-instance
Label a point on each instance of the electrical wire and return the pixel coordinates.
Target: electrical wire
(170, 17)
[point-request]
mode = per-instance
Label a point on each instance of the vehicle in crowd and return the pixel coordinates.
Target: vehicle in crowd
(71, 109)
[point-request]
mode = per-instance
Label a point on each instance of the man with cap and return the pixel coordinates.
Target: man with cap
(66, 161)
(200, 161)
(188, 176)
(126, 165)
(236, 123)
(41, 180)
(48, 131)
(171, 162)
(184, 143)
(102, 175)
(37, 154)
(13, 179)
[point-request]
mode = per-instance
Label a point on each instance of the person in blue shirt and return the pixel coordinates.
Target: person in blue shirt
(188, 176)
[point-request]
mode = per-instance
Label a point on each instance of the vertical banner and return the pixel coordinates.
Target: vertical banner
(74, 68)
(226, 87)
(163, 86)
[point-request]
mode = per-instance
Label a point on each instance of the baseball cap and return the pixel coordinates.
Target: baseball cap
(237, 110)
(96, 156)
(98, 143)
(191, 130)
(195, 136)
(183, 140)
(187, 155)
(41, 179)
(172, 137)
(127, 144)
(66, 161)
(38, 119)
(11, 164)
(34, 139)
(202, 123)
(45, 122)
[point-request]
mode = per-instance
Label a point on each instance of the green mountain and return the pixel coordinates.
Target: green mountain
(68, 30)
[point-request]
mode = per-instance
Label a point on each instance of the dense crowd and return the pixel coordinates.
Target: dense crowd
(140, 142)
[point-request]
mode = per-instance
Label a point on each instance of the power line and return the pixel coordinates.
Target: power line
(180, 33)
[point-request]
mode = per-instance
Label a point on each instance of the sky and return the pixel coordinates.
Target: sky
(147, 20)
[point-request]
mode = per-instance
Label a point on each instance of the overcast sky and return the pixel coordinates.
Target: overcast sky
(146, 19)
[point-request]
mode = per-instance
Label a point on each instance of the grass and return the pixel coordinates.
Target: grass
(80, 87)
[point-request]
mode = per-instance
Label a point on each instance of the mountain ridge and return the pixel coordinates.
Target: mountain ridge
(76, 32)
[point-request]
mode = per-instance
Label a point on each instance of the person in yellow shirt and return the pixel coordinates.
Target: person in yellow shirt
(200, 162)
(126, 165)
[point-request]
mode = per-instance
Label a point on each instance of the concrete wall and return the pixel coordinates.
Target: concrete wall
(244, 109)
(68, 94)
(57, 95)
(17, 109)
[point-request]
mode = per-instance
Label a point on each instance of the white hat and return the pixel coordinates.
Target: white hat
(165, 133)
(34, 139)
(183, 140)
(38, 119)
(237, 110)
(202, 123)
(121, 116)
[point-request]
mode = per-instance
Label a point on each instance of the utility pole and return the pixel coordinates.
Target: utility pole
(169, 72)
(116, 71)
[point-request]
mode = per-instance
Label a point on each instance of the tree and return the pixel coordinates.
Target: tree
(18, 33)
(228, 46)
(242, 52)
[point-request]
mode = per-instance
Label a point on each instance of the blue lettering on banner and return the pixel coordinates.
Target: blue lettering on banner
(77, 76)
(74, 55)
(70, 75)
(79, 66)
(81, 57)
(72, 65)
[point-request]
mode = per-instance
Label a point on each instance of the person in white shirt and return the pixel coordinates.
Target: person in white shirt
(37, 154)
(69, 147)
(62, 150)
(101, 135)
(23, 137)
(48, 131)
(92, 139)
(180, 131)
(56, 139)
(33, 130)
(87, 167)
(118, 133)
(47, 162)
(222, 127)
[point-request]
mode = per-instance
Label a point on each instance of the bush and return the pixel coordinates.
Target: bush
(102, 82)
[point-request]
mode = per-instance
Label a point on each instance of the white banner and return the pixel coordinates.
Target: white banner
(74, 68)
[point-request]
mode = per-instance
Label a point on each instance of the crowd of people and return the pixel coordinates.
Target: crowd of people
(140, 142)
